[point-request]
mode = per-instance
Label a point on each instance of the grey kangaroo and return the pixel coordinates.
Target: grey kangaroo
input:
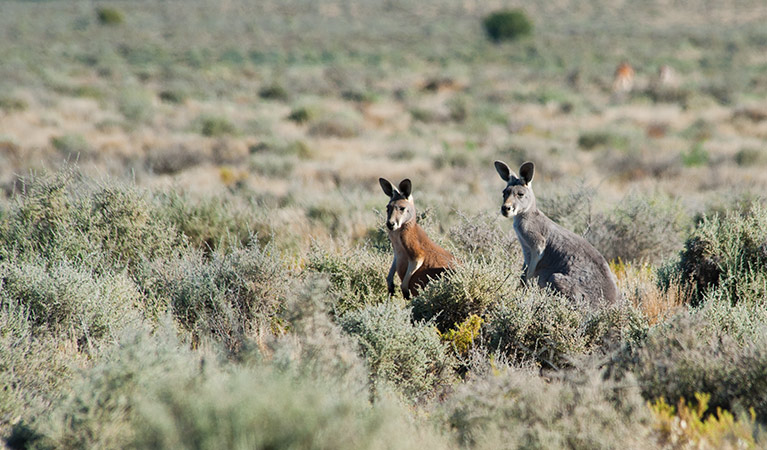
(557, 257)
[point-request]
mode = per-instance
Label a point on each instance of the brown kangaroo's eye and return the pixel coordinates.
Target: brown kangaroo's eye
(401, 208)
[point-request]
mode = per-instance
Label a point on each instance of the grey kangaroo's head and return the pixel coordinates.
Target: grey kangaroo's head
(401, 208)
(518, 196)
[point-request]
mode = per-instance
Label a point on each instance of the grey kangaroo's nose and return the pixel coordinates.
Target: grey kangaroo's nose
(505, 209)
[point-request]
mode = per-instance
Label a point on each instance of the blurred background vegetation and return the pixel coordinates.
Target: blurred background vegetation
(191, 249)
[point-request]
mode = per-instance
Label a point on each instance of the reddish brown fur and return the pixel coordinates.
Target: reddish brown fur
(418, 246)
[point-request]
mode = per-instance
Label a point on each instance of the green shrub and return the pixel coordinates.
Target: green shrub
(173, 95)
(12, 104)
(570, 205)
(227, 296)
(316, 347)
(687, 425)
(151, 391)
(210, 223)
(34, 368)
(174, 159)
(127, 229)
(214, 126)
(109, 16)
(539, 326)
(719, 350)
(357, 276)
(462, 337)
(747, 157)
(520, 410)
(70, 301)
(72, 146)
(507, 25)
(470, 288)
(408, 355)
(136, 105)
(641, 228)
(273, 92)
(59, 218)
(340, 125)
(695, 156)
(300, 115)
(726, 253)
(594, 139)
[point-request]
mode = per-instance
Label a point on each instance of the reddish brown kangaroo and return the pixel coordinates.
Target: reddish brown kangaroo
(417, 259)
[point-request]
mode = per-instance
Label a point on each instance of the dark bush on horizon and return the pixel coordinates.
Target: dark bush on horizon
(507, 25)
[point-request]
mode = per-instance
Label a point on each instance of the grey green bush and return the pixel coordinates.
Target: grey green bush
(225, 296)
(641, 229)
(719, 350)
(727, 257)
(408, 355)
(357, 276)
(470, 288)
(520, 410)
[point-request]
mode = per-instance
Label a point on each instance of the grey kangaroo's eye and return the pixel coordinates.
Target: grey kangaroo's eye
(520, 194)
(401, 208)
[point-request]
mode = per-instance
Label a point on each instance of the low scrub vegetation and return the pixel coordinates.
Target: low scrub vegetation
(108, 290)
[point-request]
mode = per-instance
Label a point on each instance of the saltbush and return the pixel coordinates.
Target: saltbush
(517, 409)
(316, 346)
(61, 218)
(70, 300)
(136, 104)
(641, 228)
(72, 146)
(357, 276)
(727, 257)
(214, 126)
(210, 223)
(540, 326)
(227, 296)
(34, 366)
(109, 16)
(152, 391)
(408, 355)
(470, 288)
(507, 25)
(719, 350)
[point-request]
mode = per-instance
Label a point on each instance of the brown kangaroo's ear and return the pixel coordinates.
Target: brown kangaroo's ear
(527, 170)
(503, 170)
(405, 187)
(386, 186)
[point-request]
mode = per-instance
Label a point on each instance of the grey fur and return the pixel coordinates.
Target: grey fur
(555, 256)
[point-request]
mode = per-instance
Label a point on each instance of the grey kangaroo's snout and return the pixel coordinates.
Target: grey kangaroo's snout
(505, 210)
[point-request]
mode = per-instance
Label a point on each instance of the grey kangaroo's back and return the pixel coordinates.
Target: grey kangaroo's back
(554, 256)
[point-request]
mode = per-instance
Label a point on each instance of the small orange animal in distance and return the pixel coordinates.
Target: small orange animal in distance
(623, 80)
(417, 259)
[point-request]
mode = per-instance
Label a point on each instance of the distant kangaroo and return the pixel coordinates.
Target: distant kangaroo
(557, 257)
(416, 257)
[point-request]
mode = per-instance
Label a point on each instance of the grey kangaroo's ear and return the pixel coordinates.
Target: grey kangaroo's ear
(386, 186)
(405, 187)
(504, 171)
(527, 170)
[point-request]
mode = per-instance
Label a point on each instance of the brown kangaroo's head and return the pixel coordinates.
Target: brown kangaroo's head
(401, 208)
(518, 196)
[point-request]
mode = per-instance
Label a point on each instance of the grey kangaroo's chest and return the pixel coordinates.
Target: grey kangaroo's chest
(531, 233)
